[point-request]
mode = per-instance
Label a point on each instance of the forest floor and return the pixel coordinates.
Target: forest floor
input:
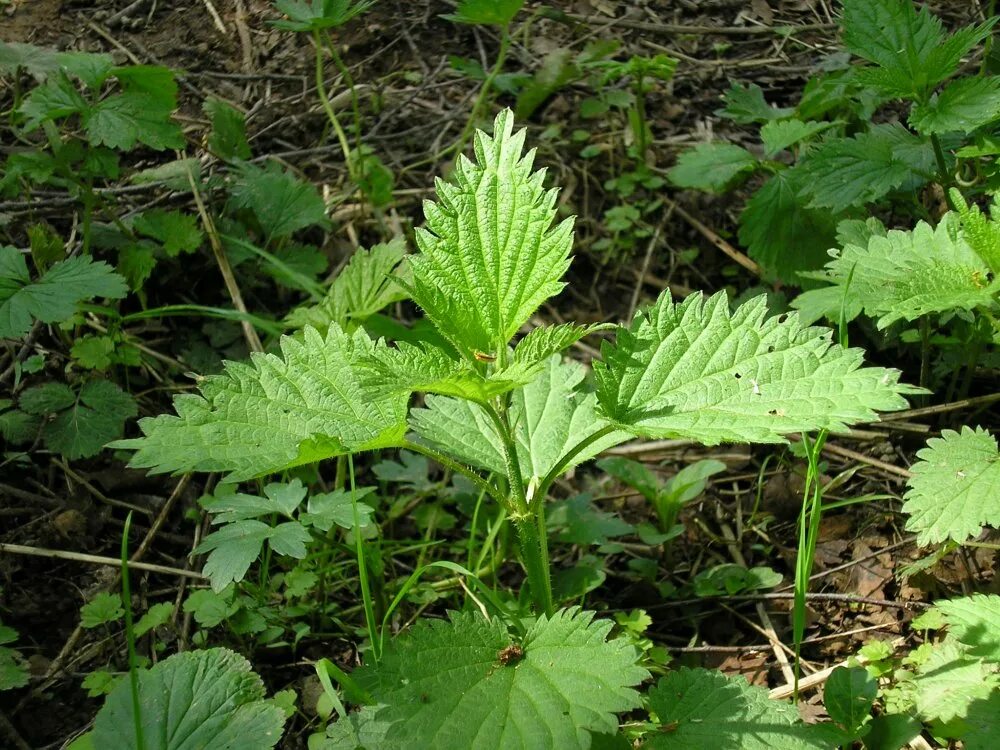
(415, 105)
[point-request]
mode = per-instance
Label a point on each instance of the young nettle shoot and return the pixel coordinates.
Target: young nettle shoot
(490, 254)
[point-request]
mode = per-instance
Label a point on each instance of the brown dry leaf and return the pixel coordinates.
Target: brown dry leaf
(763, 11)
(751, 664)
(867, 578)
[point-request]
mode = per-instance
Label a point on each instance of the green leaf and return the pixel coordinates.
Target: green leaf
(781, 233)
(282, 203)
(136, 263)
(944, 60)
(228, 137)
(286, 496)
(950, 681)
(982, 723)
(549, 415)
(289, 538)
(746, 105)
(13, 669)
(972, 621)
(318, 14)
(47, 399)
(93, 352)
(896, 37)
(154, 81)
(848, 696)
(364, 287)
(713, 167)
(102, 609)
(53, 297)
(699, 709)
(688, 483)
(53, 100)
(697, 371)
(489, 256)
(18, 427)
(327, 509)
(92, 68)
(178, 232)
(559, 68)
(460, 684)
(231, 551)
(981, 232)
(97, 417)
(632, 473)
(577, 520)
(37, 61)
(374, 178)
(156, 616)
(892, 732)
(778, 135)
(963, 105)
(276, 412)
(124, 120)
(98, 683)
(905, 275)
(485, 12)
(845, 172)
(542, 342)
(952, 490)
(189, 701)
(210, 608)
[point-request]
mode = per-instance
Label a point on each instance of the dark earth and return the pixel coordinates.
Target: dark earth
(415, 104)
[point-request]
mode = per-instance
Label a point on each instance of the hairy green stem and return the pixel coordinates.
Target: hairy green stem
(515, 483)
(528, 521)
(534, 557)
(328, 107)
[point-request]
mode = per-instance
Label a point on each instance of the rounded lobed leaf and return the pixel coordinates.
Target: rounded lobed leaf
(192, 701)
(464, 683)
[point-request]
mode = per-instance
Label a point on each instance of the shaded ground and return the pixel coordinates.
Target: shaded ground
(415, 105)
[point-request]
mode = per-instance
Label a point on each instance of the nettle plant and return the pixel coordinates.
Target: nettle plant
(509, 413)
(943, 278)
(840, 150)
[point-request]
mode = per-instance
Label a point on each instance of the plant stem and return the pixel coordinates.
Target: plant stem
(515, 483)
(809, 518)
(349, 82)
(529, 522)
(133, 669)
(534, 556)
(366, 594)
(328, 108)
(640, 113)
(943, 175)
(485, 90)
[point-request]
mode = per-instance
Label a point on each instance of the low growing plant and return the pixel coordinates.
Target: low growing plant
(838, 152)
(511, 416)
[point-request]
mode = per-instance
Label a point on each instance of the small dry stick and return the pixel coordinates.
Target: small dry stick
(716, 240)
(854, 455)
(21, 549)
(249, 333)
(768, 628)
